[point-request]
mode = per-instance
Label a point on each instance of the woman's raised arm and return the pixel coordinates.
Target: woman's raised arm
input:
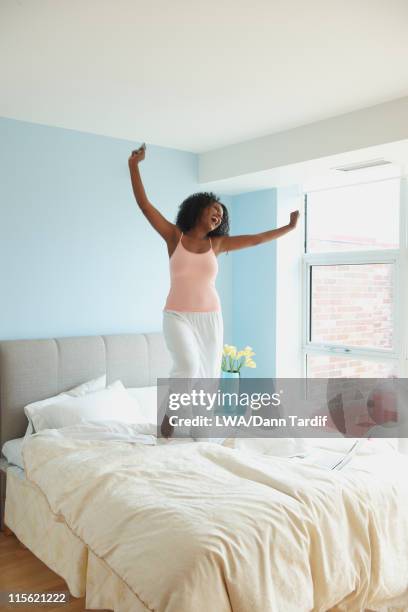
(233, 243)
(165, 228)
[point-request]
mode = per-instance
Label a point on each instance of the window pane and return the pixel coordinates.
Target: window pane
(352, 305)
(340, 366)
(356, 217)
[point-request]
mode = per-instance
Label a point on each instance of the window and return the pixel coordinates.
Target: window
(355, 217)
(352, 304)
(351, 273)
(343, 366)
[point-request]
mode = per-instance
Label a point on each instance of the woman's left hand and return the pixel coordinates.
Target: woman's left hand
(294, 216)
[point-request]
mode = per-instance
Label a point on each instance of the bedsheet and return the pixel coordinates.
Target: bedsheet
(203, 527)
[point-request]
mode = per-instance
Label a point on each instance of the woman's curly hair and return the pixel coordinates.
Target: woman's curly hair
(191, 208)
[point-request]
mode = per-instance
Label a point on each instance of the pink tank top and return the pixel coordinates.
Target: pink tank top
(192, 278)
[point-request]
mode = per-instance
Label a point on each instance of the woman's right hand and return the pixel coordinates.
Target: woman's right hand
(137, 155)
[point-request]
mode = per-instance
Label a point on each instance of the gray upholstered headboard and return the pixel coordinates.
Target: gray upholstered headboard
(31, 370)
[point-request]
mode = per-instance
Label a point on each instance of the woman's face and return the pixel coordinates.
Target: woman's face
(212, 215)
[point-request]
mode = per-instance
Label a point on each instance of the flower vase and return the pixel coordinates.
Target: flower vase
(230, 384)
(229, 374)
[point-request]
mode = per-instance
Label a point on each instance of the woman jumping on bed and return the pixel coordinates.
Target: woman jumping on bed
(192, 317)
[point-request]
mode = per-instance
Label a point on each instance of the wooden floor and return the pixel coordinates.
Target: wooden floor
(21, 571)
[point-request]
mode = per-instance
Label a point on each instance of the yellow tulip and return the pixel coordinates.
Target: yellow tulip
(229, 350)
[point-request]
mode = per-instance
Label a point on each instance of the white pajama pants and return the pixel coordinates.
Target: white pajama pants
(195, 343)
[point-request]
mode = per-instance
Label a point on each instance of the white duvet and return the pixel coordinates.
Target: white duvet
(197, 527)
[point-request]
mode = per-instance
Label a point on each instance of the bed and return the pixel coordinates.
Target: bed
(193, 526)
(34, 369)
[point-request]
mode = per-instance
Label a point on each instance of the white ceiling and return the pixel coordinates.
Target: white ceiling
(198, 75)
(320, 173)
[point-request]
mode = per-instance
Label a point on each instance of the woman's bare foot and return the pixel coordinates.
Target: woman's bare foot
(166, 429)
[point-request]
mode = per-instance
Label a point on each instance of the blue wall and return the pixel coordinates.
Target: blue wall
(77, 257)
(254, 281)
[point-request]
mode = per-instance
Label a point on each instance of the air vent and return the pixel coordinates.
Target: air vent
(371, 163)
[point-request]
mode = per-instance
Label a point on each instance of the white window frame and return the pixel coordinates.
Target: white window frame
(398, 258)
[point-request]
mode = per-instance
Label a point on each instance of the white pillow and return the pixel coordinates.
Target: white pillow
(12, 452)
(113, 403)
(146, 397)
(96, 384)
(87, 387)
